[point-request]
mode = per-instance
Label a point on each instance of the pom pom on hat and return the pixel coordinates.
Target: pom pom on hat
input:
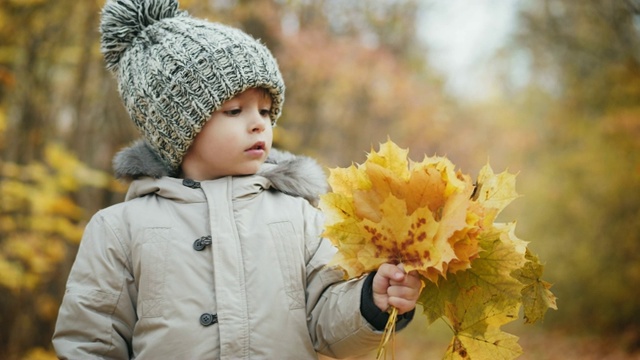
(174, 70)
(123, 20)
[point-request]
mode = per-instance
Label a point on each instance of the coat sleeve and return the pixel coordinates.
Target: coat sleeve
(97, 314)
(336, 324)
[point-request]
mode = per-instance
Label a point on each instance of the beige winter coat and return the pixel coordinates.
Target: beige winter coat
(226, 269)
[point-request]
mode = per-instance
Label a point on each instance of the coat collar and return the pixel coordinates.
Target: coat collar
(295, 175)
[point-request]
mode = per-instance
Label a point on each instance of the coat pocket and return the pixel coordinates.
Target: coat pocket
(292, 268)
(152, 276)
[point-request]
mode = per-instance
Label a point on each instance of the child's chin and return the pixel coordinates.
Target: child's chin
(249, 171)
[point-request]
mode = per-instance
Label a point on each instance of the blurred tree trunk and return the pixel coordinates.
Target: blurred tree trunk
(54, 89)
(29, 117)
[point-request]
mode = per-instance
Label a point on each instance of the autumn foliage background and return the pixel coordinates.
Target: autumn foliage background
(356, 74)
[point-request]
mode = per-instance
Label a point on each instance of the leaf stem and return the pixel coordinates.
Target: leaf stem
(388, 334)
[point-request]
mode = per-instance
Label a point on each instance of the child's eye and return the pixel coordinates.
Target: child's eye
(233, 112)
(265, 112)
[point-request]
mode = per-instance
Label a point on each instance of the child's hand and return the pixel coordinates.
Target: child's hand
(393, 287)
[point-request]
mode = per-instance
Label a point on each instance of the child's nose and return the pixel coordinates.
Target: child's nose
(258, 122)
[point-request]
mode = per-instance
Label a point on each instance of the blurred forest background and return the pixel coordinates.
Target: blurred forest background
(356, 73)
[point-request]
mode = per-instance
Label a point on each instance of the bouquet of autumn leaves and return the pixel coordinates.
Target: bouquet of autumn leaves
(431, 218)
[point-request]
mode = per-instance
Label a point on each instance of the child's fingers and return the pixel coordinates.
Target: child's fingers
(391, 272)
(404, 292)
(412, 279)
(403, 305)
(393, 287)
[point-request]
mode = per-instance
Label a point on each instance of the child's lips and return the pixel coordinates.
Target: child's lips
(258, 149)
(257, 146)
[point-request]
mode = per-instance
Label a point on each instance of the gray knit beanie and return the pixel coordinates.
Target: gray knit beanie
(174, 70)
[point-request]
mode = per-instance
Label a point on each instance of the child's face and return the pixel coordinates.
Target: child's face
(235, 140)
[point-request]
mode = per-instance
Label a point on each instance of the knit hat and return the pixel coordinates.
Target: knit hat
(174, 70)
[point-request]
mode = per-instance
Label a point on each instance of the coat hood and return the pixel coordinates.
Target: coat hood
(295, 175)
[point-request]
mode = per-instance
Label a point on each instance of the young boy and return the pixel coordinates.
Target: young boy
(216, 252)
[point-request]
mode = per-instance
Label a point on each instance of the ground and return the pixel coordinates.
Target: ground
(419, 342)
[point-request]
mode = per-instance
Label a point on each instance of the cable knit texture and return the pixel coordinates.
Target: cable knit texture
(174, 70)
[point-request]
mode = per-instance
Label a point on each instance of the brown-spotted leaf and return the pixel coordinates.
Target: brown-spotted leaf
(420, 252)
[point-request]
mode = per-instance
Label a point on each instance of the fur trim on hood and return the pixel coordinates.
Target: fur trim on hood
(294, 175)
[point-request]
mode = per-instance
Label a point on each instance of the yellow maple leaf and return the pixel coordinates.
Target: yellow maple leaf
(344, 181)
(391, 157)
(494, 192)
(404, 212)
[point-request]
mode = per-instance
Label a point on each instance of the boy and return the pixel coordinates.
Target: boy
(216, 252)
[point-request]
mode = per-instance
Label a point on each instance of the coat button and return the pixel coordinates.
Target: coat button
(191, 183)
(198, 245)
(202, 243)
(207, 319)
